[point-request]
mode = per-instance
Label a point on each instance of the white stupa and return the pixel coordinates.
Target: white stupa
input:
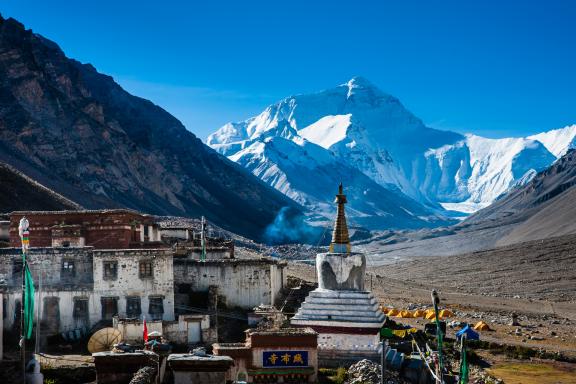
(346, 317)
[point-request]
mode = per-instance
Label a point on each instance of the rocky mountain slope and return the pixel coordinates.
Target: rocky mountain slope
(19, 192)
(542, 209)
(79, 133)
(375, 135)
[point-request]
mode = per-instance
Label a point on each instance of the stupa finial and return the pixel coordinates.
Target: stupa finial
(340, 239)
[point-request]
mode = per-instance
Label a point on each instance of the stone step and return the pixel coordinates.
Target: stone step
(341, 294)
(340, 303)
(328, 312)
(339, 307)
(346, 318)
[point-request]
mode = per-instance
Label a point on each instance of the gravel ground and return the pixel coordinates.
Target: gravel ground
(535, 280)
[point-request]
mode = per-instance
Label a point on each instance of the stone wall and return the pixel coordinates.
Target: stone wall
(174, 331)
(241, 282)
(129, 283)
(59, 291)
(49, 263)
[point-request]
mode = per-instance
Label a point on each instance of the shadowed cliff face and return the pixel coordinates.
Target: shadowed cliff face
(79, 133)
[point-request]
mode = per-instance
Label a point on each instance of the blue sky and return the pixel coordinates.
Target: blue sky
(495, 68)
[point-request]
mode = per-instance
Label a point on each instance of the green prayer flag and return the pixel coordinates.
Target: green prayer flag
(463, 365)
(386, 332)
(28, 302)
(203, 250)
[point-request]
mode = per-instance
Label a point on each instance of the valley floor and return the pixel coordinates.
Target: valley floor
(535, 280)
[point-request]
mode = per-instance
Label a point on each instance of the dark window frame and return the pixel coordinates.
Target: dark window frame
(105, 299)
(107, 272)
(146, 269)
(68, 269)
(17, 266)
(156, 307)
(81, 310)
(133, 310)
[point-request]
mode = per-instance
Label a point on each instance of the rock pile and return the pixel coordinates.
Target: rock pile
(367, 372)
(146, 375)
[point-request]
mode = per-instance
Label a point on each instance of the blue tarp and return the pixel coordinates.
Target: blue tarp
(470, 333)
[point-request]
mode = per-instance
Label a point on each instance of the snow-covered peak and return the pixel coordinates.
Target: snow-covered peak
(358, 99)
(327, 131)
(359, 84)
(558, 141)
(373, 134)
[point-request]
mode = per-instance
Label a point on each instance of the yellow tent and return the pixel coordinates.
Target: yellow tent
(392, 312)
(482, 326)
(445, 313)
(419, 313)
(403, 332)
(430, 315)
(405, 314)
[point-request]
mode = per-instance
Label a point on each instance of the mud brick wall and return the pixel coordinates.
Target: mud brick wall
(108, 229)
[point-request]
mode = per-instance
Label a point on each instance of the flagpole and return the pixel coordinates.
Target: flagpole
(23, 232)
(439, 336)
(22, 339)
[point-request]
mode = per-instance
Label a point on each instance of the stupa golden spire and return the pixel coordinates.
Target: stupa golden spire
(340, 239)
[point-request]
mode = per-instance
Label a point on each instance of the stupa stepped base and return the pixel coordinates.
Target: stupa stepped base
(348, 309)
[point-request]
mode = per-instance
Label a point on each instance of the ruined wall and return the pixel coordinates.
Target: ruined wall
(61, 276)
(129, 283)
(60, 289)
(47, 264)
(241, 282)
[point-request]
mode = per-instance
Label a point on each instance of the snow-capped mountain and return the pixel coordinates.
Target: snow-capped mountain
(357, 132)
(308, 174)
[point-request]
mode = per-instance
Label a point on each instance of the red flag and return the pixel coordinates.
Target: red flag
(145, 332)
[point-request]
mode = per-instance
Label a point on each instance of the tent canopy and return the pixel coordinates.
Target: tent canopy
(446, 313)
(482, 326)
(419, 313)
(405, 315)
(392, 312)
(470, 334)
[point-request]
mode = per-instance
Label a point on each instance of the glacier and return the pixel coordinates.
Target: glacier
(402, 174)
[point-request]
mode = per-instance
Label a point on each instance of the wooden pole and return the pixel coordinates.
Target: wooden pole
(25, 240)
(22, 337)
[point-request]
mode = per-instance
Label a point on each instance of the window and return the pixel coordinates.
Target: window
(146, 270)
(109, 307)
(68, 269)
(110, 270)
(156, 308)
(51, 315)
(80, 311)
(133, 308)
(16, 268)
